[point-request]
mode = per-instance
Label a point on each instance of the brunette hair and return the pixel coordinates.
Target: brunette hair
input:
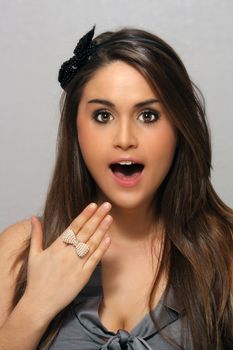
(198, 225)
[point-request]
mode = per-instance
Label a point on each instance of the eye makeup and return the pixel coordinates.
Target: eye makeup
(151, 112)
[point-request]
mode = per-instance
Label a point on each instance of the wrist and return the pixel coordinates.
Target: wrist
(34, 313)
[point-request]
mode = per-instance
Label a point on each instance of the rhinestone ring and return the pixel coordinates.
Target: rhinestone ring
(69, 237)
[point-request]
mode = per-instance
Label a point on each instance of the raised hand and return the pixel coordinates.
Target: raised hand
(57, 274)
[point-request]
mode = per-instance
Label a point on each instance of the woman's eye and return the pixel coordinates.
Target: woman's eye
(150, 116)
(101, 116)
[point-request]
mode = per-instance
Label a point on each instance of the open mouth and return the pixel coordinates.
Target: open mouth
(126, 170)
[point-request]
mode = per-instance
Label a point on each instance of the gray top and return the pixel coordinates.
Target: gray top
(82, 328)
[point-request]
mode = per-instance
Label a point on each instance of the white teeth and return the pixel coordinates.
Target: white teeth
(127, 162)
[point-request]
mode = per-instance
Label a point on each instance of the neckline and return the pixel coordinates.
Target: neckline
(86, 309)
(87, 314)
(133, 330)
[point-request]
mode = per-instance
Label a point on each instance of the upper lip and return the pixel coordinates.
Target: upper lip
(122, 159)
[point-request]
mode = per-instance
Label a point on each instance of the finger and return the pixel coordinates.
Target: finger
(96, 239)
(97, 255)
(98, 236)
(36, 244)
(88, 229)
(80, 220)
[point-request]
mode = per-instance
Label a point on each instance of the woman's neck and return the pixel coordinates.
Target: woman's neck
(133, 226)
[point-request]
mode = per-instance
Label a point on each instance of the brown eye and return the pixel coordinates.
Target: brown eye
(150, 116)
(101, 116)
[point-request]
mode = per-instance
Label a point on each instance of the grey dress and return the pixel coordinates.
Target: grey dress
(82, 328)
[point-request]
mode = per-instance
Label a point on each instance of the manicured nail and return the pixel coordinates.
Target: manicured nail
(107, 220)
(33, 218)
(107, 205)
(92, 206)
(107, 240)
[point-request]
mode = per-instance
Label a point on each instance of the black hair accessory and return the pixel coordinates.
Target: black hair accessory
(83, 51)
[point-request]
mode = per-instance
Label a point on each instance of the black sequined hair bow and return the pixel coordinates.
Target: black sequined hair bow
(83, 51)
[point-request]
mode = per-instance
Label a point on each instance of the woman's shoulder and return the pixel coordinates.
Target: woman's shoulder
(12, 244)
(14, 235)
(13, 240)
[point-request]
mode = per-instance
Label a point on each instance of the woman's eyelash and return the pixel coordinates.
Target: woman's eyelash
(99, 112)
(152, 112)
(102, 111)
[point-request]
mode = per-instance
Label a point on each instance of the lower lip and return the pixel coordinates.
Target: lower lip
(127, 181)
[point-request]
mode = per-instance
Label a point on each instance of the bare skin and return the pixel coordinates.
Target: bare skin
(127, 276)
(55, 275)
(124, 131)
(128, 271)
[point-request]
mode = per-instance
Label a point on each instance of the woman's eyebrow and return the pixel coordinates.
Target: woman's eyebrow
(110, 104)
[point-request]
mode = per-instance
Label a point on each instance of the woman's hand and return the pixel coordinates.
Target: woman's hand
(57, 274)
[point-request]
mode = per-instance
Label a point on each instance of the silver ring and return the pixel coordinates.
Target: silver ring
(69, 237)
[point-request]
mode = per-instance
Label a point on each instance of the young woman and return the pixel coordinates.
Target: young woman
(134, 247)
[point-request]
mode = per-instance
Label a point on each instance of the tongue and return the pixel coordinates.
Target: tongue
(122, 176)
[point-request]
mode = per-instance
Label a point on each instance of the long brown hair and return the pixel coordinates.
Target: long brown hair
(198, 225)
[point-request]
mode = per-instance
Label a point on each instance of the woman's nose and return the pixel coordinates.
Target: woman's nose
(125, 136)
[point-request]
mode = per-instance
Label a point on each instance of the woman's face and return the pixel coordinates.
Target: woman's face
(119, 127)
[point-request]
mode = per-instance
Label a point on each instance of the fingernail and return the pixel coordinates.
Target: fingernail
(92, 206)
(107, 240)
(32, 219)
(107, 205)
(107, 220)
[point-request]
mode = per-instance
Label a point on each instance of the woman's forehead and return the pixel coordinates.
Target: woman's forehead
(118, 80)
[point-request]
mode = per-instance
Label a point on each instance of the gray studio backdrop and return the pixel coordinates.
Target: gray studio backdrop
(37, 36)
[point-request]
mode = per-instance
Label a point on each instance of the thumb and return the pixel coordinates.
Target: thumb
(36, 244)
